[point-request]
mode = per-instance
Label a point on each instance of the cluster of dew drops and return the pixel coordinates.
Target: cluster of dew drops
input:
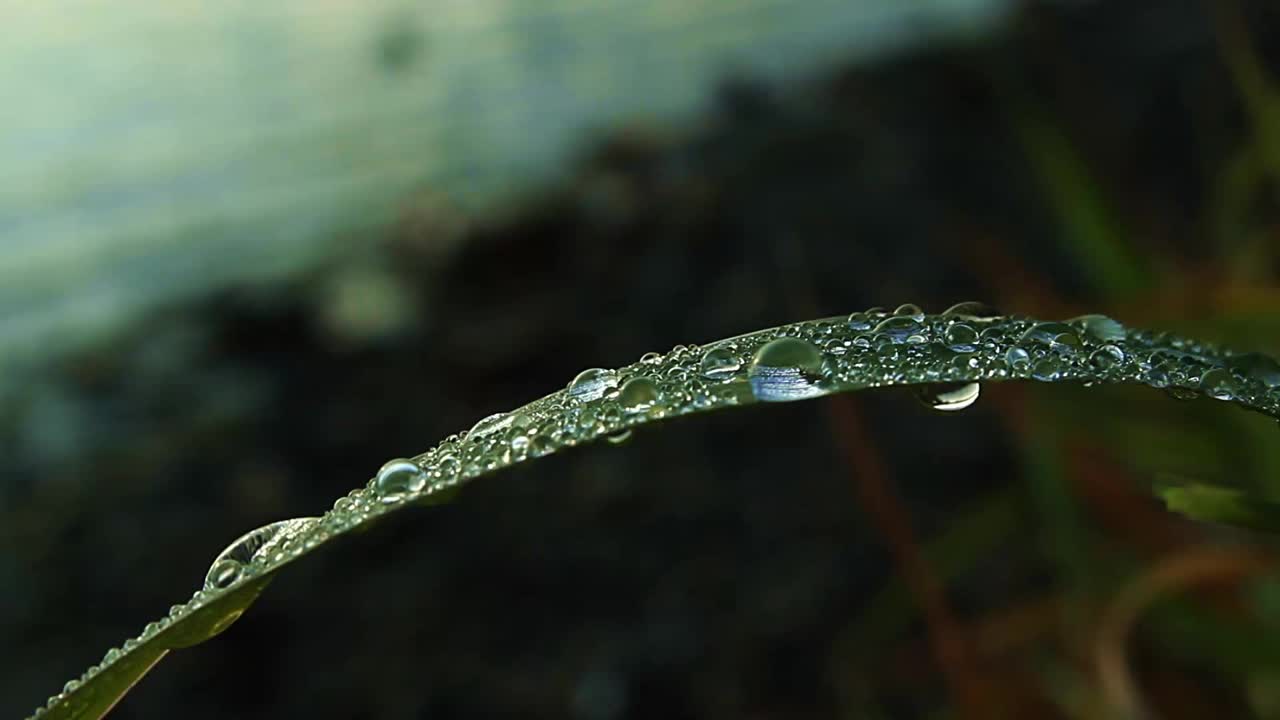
(943, 358)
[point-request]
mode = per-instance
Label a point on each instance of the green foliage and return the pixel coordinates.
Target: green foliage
(946, 357)
(1223, 505)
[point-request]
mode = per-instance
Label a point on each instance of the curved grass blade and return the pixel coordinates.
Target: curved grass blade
(1225, 506)
(947, 355)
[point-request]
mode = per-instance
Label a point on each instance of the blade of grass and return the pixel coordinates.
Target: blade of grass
(1226, 506)
(791, 362)
(1090, 232)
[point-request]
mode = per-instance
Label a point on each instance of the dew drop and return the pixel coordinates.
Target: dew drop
(446, 466)
(651, 358)
(610, 415)
(1018, 359)
(910, 310)
(619, 437)
(1099, 328)
(901, 329)
(676, 373)
(229, 566)
(1257, 367)
(1058, 336)
(223, 574)
(972, 310)
(1219, 384)
(947, 397)
(786, 369)
(592, 384)
(1106, 357)
(961, 338)
(399, 478)
(542, 444)
(490, 425)
(519, 447)
(639, 394)
(1047, 369)
(719, 364)
(859, 322)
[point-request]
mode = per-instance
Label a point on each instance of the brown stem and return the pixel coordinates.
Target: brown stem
(951, 648)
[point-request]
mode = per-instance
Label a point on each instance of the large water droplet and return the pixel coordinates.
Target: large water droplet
(1058, 336)
(972, 310)
(1047, 369)
(223, 574)
(860, 321)
(909, 310)
(961, 338)
(786, 369)
(1157, 377)
(901, 329)
(592, 384)
(1106, 357)
(1099, 328)
(230, 564)
(446, 466)
(1018, 359)
(719, 364)
(496, 423)
(1257, 367)
(639, 394)
(947, 397)
(397, 479)
(1220, 384)
(542, 444)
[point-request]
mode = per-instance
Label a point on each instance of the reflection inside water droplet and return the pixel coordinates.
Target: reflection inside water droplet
(1047, 369)
(223, 573)
(638, 395)
(1018, 359)
(398, 478)
(1058, 336)
(901, 329)
(947, 397)
(592, 384)
(1220, 384)
(1106, 357)
(859, 321)
(490, 425)
(719, 364)
(786, 369)
(961, 337)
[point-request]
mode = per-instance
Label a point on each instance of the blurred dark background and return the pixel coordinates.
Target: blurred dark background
(853, 557)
